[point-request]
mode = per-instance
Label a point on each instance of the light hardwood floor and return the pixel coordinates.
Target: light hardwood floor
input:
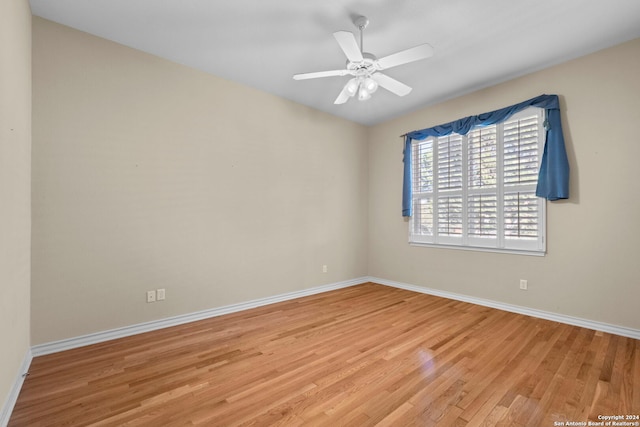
(360, 356)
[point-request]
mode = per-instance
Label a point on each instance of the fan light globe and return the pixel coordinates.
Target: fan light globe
(363, 94)
(370, 85)
(352, 87)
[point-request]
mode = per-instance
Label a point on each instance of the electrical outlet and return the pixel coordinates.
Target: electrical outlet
(324, 268)
(523, 284)
(151, 296)
(160, 294)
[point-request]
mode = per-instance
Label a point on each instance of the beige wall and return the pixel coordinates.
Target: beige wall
(592, 268)
(148, 174)
(15, 188)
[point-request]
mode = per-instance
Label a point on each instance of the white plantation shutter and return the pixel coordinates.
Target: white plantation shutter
(483, 158)
(482, 215)
(482, 188)
(478, 190)
(521, 216)
(423, 173)
(449, 189)
(423, 212)
(423, 169)
(450, 216)
(521, 153)
(450, 162)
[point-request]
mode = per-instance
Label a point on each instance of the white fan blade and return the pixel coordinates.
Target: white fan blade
(343, 97)
(403, 57)
(315, 75)
(349, 46)
(391, 84)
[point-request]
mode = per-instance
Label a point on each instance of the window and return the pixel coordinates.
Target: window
(478, 190)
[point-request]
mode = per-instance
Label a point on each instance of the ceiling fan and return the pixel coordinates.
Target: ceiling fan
(365, 67)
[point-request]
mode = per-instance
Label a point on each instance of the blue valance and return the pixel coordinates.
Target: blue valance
(553, 177)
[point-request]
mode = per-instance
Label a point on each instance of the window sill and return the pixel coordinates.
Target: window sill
(481, 249)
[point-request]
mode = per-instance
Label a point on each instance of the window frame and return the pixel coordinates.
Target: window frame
(500, 243)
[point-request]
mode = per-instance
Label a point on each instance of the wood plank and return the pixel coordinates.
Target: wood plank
(365, 355)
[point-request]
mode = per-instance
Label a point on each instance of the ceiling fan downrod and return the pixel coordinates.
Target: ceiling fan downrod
(361, 22)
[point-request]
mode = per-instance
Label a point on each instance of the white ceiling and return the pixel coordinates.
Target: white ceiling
(263, 43)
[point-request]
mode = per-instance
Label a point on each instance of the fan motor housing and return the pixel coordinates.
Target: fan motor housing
(369, 63)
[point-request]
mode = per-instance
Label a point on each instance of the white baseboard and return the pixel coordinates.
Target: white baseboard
(10, 401)
(67, 344)
(81, 341)
(576, 321)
